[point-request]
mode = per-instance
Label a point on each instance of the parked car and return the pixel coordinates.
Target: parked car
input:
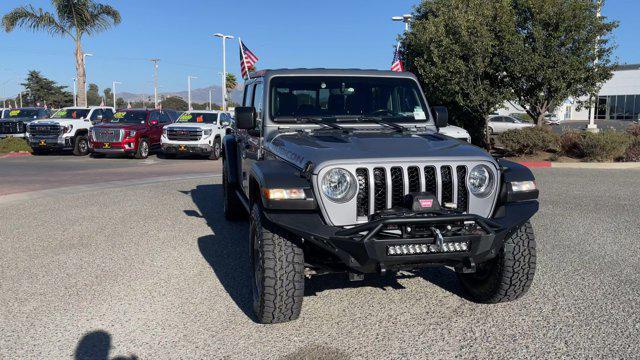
(15, 122)
(552, 119)
(499, 124)
(344, 171)
(67, 129)
(4, 113)
(135, 132)
(196, 132)
(456, 133)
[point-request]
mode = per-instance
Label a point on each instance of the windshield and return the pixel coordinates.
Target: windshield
(71, 114)
(394, 99)
(196, 117)
(18, 113)
(129, 117)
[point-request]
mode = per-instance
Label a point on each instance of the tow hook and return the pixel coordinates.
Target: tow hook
(439, 239)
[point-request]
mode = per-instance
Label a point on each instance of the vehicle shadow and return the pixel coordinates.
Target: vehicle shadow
(96, 345)
(227, 252)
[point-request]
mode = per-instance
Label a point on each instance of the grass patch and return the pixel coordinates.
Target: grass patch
(12, 144)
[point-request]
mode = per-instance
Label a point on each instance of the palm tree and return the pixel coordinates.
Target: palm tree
(73, 19)
(232, 82)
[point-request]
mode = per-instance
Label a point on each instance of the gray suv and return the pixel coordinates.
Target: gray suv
(345, 171)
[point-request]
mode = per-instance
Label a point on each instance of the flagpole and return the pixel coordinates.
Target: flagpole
(244, 61)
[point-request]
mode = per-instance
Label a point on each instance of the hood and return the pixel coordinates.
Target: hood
(61, 121)
(191, 124)
(18, 119)
(108, 125)
(323, 147)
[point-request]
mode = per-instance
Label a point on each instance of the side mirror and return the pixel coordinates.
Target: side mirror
(246, 117)
(154, 122)
(440, 116)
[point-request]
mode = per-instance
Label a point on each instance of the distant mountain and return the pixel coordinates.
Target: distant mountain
(200, 95)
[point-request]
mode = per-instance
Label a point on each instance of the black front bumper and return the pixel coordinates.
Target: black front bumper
(363, 249)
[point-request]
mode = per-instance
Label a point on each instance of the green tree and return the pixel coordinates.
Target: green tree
(232, 82)
(175, 103)
(561, 49)
(73, 19)
(108, 97)
(120, 103)
(93, 95)
(41, 90)
(455, 48)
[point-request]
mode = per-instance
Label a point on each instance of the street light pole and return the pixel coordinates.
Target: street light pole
(84, 61)
(155, 80)
(224, 68)
(189, 92)
(406, 19)
(114, 93)
(592, 127)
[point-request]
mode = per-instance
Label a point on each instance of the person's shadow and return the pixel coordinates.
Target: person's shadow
(228, 253)
(96, 345)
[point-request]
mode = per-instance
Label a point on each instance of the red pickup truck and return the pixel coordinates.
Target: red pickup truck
(135, 132)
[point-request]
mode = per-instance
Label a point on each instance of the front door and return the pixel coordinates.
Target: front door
(250, 146)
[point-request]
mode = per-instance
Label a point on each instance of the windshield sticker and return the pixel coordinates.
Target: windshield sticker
(200, 119)
(14, 112)
(119, 115)
(419, 114)
(185, 117)
(61, 113)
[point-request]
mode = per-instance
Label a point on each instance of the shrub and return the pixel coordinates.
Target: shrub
(633, 151)
(528, 141)
(634, 130)
(603, 146)
(12, 144)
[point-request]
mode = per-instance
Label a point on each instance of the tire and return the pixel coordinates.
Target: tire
(509, 275)
(278, 273)
(233, 208)
(217, 150)
(81, 146)
(143, 149)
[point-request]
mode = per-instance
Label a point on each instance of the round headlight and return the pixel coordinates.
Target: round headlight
(481, 181)
(339, 185)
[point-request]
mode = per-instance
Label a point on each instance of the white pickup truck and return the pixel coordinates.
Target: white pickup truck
(196, 132)
(67, 129)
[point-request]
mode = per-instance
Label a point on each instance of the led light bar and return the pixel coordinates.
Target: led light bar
(421, 249)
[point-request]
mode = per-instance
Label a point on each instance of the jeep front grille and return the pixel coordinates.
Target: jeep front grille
(438, 181)
(44, 130)
(108, 135)
(184, 134)
(12, 127)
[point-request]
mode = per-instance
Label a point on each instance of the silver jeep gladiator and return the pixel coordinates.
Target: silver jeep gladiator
(346, 171)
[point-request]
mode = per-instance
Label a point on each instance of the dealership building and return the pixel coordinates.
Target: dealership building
(619, 99)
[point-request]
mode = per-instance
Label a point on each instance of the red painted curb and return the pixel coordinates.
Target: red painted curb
(536, 164)
(14, 155)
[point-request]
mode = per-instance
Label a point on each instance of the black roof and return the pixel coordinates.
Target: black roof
(338, 72)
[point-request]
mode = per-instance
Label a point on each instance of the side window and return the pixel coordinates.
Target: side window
(107, 114)
(95, 113)
(248, 95)
(164, 118)
(257, 100)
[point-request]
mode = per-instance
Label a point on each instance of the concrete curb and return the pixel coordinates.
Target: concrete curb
(80, 189)
(15, 155)
(581, 165)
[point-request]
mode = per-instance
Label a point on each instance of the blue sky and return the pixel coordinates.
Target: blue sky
(284, 33)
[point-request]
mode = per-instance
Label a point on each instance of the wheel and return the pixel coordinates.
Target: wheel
(217, 149)
(81, 147)
(278, 272)
(143, 149)
(509, 275)
(233, 208)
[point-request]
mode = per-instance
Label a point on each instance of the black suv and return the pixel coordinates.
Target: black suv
(345, 171)
(14, 123)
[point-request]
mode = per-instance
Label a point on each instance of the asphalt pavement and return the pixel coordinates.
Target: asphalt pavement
(155, 272)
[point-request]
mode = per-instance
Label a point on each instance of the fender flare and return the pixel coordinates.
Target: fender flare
(230, 158)
(511, 172)
(276, 174)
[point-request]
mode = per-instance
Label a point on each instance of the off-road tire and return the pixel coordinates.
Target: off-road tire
(509, 275)
(233, 208)
(143, 149)
(278, 272)
(81, 146)
(216, 150)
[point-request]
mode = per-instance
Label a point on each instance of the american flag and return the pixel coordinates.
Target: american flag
(397, 64)
(248, 60)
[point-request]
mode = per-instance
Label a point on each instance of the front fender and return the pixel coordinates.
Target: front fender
(275, 174)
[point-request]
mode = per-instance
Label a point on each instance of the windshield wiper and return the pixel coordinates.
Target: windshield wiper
(380, 121)
(330, 124)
